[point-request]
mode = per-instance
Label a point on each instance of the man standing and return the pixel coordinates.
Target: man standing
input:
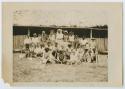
(52, 36)
(35, 39)
(27, 43)
(43, 36)
(59, 34)
(59, 37)
(94, 52)
(71, 37)
(93, 45)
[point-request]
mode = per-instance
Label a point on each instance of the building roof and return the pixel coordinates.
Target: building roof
(54, 26)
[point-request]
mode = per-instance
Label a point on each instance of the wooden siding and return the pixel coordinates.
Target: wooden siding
(18, 41)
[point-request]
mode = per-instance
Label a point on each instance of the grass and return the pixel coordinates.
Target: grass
(25, 70)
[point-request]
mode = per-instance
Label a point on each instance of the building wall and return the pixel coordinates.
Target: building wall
(18, 41)
(102, 44)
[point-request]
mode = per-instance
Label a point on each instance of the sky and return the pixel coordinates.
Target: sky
(61, 15)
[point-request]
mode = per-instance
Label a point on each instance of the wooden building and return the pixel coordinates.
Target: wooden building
(99, 33)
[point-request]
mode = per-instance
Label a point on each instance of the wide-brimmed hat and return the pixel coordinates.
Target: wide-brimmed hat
(43, 31)
(34, 34)
(59, 29)
(65, 31)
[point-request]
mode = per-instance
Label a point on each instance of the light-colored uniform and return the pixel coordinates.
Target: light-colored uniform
(71, 38)
(73, 57)
(59, 38)
(35, 40)
(93, 45)
(27, 41)
(83, 42)
(37, 50)
(52, 37)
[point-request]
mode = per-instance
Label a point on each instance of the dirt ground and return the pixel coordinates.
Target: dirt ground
(26, 70)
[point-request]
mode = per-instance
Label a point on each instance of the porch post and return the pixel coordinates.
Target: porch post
(28, 32)
(90, 33)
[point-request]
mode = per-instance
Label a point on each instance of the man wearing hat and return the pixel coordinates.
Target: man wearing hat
(43, 36)
(93, 47)
(59, 36)
(93, 44)
(52, 37)
(71, 37)
(66, 36)
(27, 41)
(35, 39)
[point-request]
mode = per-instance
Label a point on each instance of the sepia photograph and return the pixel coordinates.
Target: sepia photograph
(64, 43)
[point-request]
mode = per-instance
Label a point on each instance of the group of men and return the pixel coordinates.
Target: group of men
(60, 47)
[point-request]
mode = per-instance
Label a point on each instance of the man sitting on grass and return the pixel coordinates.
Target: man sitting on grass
(38, 51)
(47, 57)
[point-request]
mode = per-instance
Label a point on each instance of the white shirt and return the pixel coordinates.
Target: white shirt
(87, 46)
(27, 41)
(71, 38)
(39, 39)
(52, 37)
(73, 57)
(83, 42)
(38, 50)
(31, 48)
(59, 36)
(93, 45)
(35, 40)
